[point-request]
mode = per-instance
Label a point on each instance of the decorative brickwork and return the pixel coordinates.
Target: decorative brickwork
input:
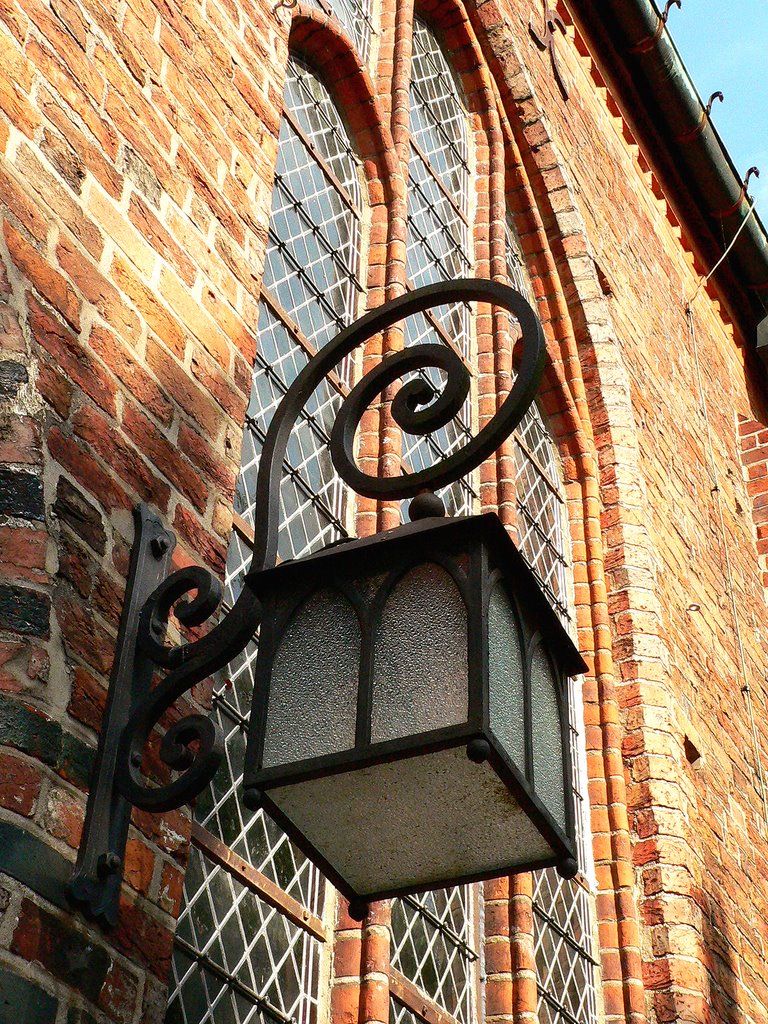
(138, 148)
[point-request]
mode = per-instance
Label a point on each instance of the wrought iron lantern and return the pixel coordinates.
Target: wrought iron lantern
(409, 725)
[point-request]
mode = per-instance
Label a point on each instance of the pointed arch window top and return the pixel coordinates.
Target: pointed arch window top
(357, 18)
(438, 112)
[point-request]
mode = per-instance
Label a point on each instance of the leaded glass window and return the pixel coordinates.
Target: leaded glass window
(438, 234)
(562, 916)
(434, 935)
(237, 959)
(355, 16)
(435, 944)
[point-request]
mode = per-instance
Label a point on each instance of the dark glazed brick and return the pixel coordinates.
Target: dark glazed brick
(64, 952)
(80, 515)
(27, 729)
(21, 495)
(41, 868)
(12, 376)
(76, 760)
(22, 1002)
(24, 611)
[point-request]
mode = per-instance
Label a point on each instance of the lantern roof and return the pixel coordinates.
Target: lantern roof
(426, 538)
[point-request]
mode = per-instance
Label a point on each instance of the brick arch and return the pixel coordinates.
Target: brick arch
(322, 41)
(592, 372)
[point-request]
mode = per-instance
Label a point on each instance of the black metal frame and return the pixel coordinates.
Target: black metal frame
(193, 745)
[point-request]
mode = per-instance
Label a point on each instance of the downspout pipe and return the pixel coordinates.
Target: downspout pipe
(641, 64)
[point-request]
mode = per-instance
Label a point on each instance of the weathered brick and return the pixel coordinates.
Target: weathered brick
(83, 635)
(124, 364)
(30, 730)
(20, 440)
(21, 665)
(144, 939)
(78, 461)
(21, 495)
(19, 785)
(156, 447)
(192, 398)
(38, 271)
(96, 288)
(88, 698)
(12, 376)
(24, 611)
(64, 951)
(114, 449)
(80, 515)
(72, 357)
(23, 554)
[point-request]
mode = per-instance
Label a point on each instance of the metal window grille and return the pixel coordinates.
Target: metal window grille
(433, 934)
(438, 233)
(356, 17)
(236, 959)
(562, 910)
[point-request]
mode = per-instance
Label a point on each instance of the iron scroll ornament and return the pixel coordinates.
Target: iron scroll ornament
(193, 746)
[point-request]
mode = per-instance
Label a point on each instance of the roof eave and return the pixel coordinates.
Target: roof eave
(640, 64)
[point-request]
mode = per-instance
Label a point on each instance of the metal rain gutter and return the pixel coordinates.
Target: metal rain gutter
(642, 65)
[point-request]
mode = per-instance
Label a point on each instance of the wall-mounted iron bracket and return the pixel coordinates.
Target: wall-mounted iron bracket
(99, 869)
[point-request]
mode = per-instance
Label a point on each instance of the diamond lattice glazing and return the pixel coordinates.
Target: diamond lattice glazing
(434, 946)
(237, 959)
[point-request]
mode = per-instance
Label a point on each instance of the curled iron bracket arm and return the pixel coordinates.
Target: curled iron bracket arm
(373, 323)
(193, 745)
(195, 662)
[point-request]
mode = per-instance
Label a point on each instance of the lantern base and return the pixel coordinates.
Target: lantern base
(415, 823)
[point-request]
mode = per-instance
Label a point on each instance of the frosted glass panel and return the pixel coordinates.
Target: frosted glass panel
(420, 672)
(547, 739)
(313, 694)
(506, 676)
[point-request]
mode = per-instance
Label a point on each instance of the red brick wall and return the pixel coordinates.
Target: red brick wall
(137, 157)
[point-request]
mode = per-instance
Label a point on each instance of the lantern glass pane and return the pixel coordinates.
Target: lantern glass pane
(547, 736)
(313, 692)
(420, 673)
(506, 676)
(412, 807)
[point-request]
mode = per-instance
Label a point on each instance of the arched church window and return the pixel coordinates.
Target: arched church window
(435, 935)
(238, 958)
(562, 918)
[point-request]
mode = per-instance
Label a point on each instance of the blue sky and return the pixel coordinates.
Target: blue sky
(724, 45)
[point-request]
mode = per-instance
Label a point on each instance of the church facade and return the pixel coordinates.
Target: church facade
(195, 198)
